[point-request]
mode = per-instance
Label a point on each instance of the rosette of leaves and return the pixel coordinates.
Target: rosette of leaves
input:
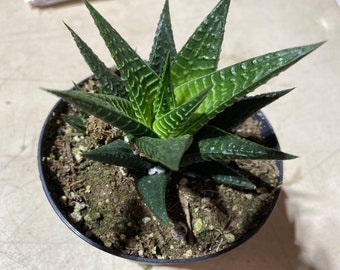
(177, 108)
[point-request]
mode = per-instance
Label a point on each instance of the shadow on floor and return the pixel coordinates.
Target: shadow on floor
(273, 247)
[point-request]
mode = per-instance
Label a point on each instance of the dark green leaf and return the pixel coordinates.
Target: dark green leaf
(140, 80)
(191, 157)
(234, 181)
(152, 189)
(244, 108)
(75, 122)
(221, 174)
(111, 109)
(219, 145)
(118, 153)
(232, 83)
(163, 41)
(77, 87)
(110, 82)
(168, 152)
(200, 55)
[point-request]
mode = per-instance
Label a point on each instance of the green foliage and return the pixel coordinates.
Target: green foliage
(120, 154)
(244, 108)
(177, 108)
(215, 144)
(235, 181)
(163, 43)
(200, 55)
(110, 81)
(168, 152)
(75, 122)
(152, 189)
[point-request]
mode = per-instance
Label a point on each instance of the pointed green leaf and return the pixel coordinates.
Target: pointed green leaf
(118, 153)
(165, 98)
(200, 55)
(111, 109)
(234, 181)
(140, 80)
(168, 152)
(234, 82)
(244, 108)
(171, 123)
(75, 122)
(221, 174)
(77, 87)
(219, 145)
(152, 189)
(110, 82)
(163, 41)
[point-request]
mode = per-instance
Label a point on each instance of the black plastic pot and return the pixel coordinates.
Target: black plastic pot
(53, 191)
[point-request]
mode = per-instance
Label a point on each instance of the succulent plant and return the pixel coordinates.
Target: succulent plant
(177, 108)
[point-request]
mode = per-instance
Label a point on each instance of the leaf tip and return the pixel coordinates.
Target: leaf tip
(287, 156)
(312, 47)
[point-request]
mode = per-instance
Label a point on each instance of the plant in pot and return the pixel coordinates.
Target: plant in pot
(165, 160)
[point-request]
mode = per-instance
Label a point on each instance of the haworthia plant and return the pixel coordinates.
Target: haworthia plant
(177, 108)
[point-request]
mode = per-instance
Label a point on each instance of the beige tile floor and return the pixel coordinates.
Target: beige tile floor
(37, 51)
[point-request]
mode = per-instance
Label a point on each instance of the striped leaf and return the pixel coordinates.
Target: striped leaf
(234, 82)
(217, 145)
(110, 82)
(171, 123)
(152, 189)
(200, 55)
(163, 41)
(165, 99)
(140, 80)
(244, 108)
(118, 153)
(168, 152)
(111, 109)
